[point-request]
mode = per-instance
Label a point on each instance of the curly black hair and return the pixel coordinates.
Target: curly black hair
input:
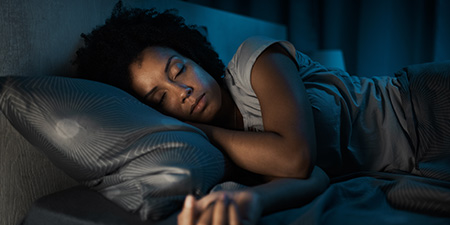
(110, 49)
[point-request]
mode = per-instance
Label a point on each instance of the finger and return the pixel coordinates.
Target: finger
(233, 214)
(206, 215)
(206, 201)
(187, 215)
(220, 215)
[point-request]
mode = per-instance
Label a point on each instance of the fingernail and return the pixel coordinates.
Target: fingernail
(189, 201)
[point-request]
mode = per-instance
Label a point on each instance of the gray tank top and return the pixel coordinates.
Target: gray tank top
(360, 123)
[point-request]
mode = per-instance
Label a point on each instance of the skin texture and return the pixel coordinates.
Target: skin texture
(287, 147)
(178, 87)
(114, 54)
(175, 85)
(247, 206)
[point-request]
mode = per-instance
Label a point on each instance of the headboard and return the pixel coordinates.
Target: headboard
(40, 37)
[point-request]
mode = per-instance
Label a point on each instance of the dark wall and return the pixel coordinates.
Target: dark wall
(377, 37)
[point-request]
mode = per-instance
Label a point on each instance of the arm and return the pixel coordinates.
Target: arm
(282, 194)
(249, 205)
(287, 147)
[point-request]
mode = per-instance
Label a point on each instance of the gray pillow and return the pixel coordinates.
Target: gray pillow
(109, 141)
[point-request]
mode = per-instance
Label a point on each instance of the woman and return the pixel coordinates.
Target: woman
(265, 111)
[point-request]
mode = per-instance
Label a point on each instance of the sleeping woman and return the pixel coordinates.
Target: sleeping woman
(272, 110)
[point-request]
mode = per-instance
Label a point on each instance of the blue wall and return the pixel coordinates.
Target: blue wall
(377, 37)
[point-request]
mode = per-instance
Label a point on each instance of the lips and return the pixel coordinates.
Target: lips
(199, 104)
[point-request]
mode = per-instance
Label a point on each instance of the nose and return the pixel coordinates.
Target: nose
(185, 92)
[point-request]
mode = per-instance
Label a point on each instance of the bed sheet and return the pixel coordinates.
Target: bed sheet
(374, 198)
(361, 198)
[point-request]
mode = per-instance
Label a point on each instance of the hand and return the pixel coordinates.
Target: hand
(241, 207)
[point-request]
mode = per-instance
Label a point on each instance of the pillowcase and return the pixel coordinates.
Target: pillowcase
(109, 141)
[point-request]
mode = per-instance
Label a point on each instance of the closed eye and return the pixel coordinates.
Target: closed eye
(182, 69)
(161, 100)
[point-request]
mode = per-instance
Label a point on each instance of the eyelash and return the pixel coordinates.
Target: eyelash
(161, 101)
(183, 67)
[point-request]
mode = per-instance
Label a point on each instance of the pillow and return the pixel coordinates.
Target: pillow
(109, 141)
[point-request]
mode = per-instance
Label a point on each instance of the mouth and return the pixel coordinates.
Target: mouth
(199, 104)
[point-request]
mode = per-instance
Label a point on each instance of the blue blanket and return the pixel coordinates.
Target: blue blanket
(374, 198)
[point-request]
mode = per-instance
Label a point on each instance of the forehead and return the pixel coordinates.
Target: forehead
(154, 54)
(150, 60)
(148, 69)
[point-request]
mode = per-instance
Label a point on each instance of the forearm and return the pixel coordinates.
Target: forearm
(254, 202)
(265, 153)
(286, 193)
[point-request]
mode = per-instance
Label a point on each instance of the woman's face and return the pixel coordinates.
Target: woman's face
(175, 85)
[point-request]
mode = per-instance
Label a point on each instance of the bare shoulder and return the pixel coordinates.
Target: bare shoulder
(285, 107)
(279, 88)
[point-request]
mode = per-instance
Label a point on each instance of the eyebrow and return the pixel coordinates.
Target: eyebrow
(168, 63)
(165, 70)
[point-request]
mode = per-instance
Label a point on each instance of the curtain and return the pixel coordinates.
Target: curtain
(377, 37)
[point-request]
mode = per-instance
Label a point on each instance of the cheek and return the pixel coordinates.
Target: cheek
(175, 109)
(173, 113)
(207, 81)
(172, 108)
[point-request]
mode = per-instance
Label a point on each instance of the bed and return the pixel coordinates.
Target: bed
(138, 170)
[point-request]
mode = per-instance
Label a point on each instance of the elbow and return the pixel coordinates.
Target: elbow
(305, 156)
(302, 168)
(301, 163)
